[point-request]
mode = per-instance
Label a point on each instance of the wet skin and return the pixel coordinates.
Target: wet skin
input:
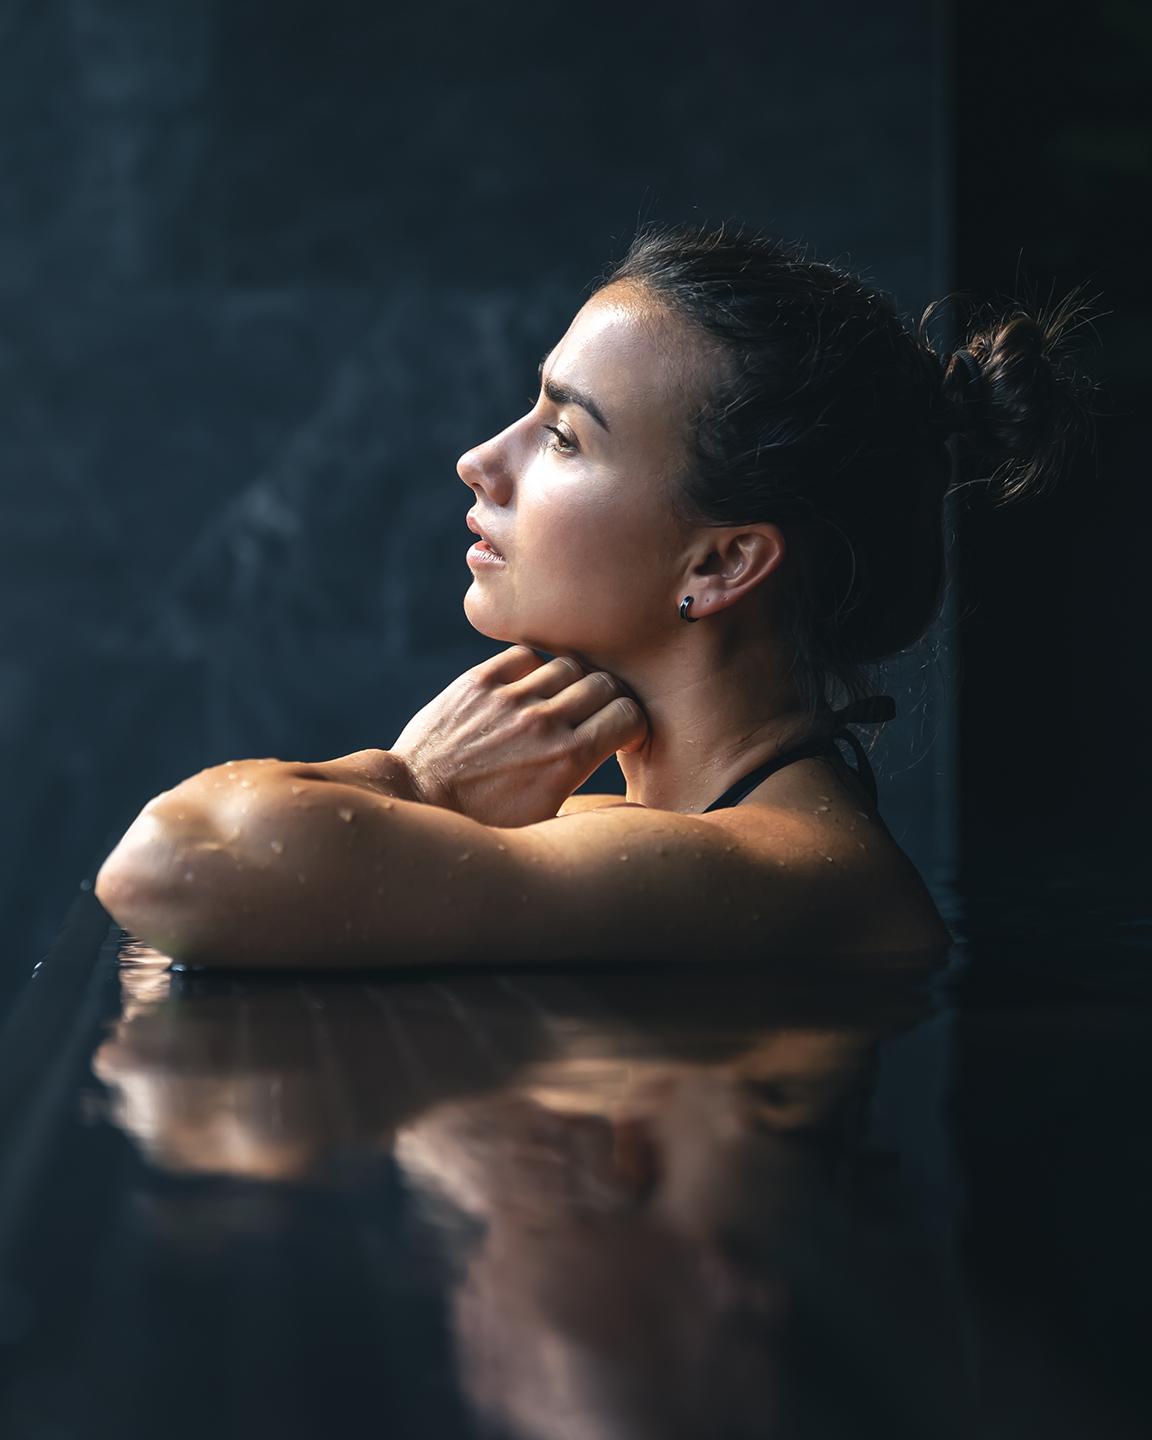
(462, 841)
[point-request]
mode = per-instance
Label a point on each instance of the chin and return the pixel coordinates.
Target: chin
(489, 630)
(541, 644)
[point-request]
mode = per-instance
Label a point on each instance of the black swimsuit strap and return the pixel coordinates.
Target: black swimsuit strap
(872, 709)
(864, 769)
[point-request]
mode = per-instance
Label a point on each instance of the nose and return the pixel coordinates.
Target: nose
(469, 467)
(484, 468)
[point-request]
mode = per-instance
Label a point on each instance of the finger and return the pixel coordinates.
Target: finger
(585, 696)
(509, 665)
(558, 675)
(622, 725)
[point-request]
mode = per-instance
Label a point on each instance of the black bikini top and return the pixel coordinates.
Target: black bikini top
(870, 710)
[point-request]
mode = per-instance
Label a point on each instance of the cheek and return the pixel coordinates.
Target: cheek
(589, 522)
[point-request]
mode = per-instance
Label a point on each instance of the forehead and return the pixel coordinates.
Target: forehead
(631, 353)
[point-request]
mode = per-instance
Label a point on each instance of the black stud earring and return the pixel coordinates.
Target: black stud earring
(684, 604)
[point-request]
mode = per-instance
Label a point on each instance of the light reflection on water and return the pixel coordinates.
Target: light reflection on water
(681, 1202)
(645, 1199)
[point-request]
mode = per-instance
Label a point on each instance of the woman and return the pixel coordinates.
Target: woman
(724, 505)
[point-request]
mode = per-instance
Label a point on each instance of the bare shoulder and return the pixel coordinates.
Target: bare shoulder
(745, 880)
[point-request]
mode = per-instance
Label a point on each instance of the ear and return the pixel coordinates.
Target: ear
(738, 559)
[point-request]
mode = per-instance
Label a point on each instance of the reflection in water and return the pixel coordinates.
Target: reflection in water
(679, 1249)
(660, 1202)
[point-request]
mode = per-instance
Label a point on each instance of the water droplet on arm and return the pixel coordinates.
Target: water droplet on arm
(345, 813)
(277, 845)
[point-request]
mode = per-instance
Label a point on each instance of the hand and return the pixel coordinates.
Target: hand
(510, 740)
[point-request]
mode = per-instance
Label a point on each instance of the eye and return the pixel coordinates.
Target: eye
(563, 445)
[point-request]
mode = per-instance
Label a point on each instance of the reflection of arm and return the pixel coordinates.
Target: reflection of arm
(275, 1106)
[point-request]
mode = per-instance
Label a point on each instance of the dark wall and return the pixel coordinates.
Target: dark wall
(268, 267)
(1054, 175)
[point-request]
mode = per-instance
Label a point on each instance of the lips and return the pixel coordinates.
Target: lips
(474, 526)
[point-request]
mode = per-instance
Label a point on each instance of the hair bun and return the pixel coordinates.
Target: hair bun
(971, 364)
(1011, 392)
(964, 391)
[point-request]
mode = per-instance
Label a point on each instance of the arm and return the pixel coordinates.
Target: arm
(377, 771)
(304, 872)
(577, 804)
(192, 845)
(267, 862)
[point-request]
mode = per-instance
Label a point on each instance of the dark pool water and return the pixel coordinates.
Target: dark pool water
(697, 1202)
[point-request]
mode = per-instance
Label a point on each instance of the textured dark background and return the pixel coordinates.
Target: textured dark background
(268, 269)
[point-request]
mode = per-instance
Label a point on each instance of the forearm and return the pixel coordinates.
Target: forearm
(210, 829)
(379, 771)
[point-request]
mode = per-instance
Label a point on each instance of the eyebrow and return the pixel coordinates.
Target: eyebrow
(565, 395)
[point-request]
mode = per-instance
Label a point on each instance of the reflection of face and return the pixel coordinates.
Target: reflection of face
(785, 1079)
(582, 516)
(606, 1297)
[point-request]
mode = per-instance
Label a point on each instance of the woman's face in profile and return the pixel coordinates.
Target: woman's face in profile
(576, 496)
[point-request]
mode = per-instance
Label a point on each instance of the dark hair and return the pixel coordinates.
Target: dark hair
(834, 419)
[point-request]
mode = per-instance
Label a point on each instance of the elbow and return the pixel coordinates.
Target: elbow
(149, 909)
(134, 897)
(124, 874)
(138, 883)
(124, 887)
(107, 886)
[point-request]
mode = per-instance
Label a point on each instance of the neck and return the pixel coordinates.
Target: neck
(714, 711)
